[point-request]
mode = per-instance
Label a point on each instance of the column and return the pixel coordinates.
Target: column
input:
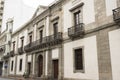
(61, 62)
(49, 65)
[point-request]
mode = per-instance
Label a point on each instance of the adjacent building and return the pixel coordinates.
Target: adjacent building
(1, 12)
(68, 40)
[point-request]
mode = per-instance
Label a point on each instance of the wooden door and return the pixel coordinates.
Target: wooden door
(29, 68)
(40, 66)
(55, 69)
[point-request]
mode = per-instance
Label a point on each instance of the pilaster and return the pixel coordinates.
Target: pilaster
(104, 59)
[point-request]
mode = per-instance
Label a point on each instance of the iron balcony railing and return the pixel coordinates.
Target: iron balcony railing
(12, 53)
(20, 50)
(6, 56)
(76, 31)
(116, 14)
(45, 42)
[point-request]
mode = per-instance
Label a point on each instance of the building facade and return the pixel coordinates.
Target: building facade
(1, 12)
(68, 40)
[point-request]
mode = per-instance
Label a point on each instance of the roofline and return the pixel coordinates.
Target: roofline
(32, 19)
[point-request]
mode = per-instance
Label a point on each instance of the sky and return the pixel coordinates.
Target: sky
(35, 3)
(21, 11)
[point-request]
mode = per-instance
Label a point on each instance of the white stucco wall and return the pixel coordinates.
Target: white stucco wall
(90, 59)
(110, 5)
(29, 58)
(12, 72)
(55, 54)
(23, 57)
(114, 40)
(88, 13)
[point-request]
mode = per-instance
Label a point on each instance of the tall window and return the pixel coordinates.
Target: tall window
(14, 46)
(22, 42)
(55, 25)
(41, 35)
(77, 18)
(12, 65)
(78, 59)
(20, 66)
(30, 39)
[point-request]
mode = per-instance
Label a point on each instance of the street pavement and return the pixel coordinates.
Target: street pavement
(5, 79)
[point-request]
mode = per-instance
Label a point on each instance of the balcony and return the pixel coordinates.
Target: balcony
(12, 53)
(76, 31)
(5, 56)
(54, 39)
(20, 50)
(116, 15)
(44, 43)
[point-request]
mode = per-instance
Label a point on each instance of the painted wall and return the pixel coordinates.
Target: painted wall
(12, 72)
(114, 40)
(55, 54)
(88, 12)
(23, 57)
(90, 59)
(110, 5)
(29, 58)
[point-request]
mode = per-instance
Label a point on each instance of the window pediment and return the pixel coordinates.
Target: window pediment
(76, 7)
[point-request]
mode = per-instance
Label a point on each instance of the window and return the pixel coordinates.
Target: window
(77, 18)
(12, 65)
(41, 35)
(30, 39)
(20, 66)
(14, 46)
(55, 25)
(78, 56)
(22, 42)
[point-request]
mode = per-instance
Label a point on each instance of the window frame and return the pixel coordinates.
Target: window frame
(83, 60)
(55, 20)
(12, 63)
(75, 9)
(20, 65)
(28, 37)
(14, 45)
(41, 35)
(55, 28)
(22, 42)
(77, 18)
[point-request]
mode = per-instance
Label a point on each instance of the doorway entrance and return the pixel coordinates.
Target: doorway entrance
(55, 69)
(40, 65)
(1, 65)
(29, 68)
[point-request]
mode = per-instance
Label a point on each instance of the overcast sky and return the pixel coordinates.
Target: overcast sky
(35, 3)
(21, 13)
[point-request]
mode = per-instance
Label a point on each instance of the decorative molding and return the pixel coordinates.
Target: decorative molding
(77, 6)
